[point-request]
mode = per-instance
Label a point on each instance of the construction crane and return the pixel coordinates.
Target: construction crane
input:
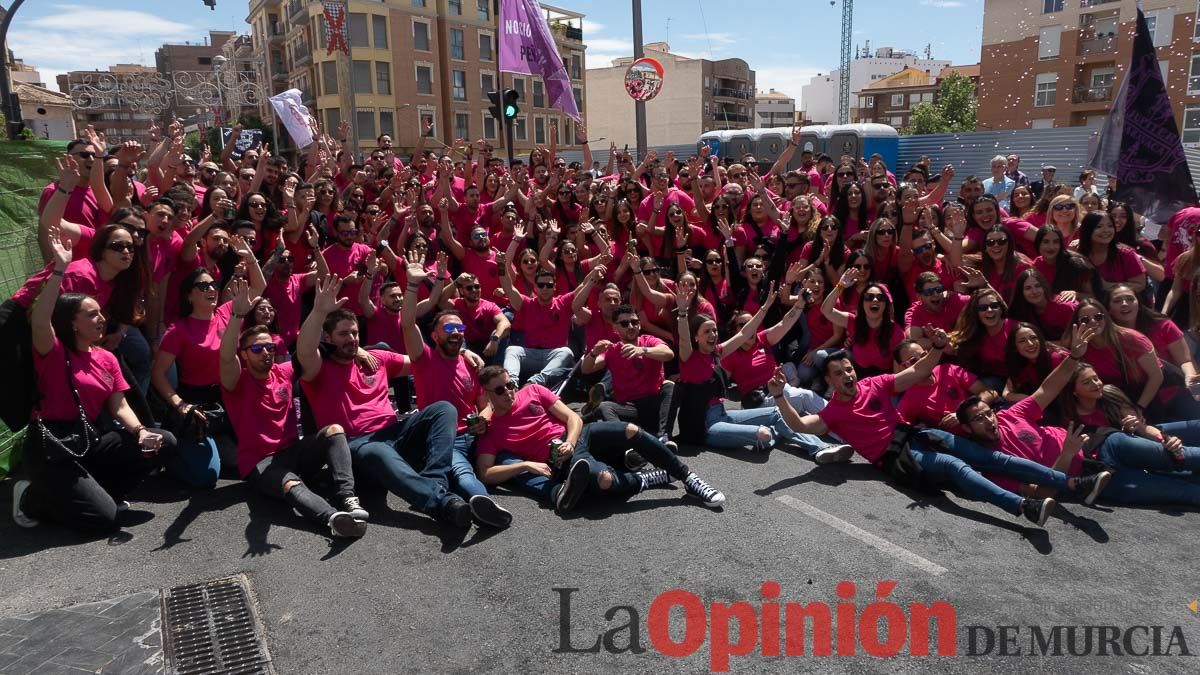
(844, 83)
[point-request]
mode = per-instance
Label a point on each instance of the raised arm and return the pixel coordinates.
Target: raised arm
(43, 307)
(1058, 378)
(503, 267)
(308, 342)
(923, 368)
(52, 214)
(748, 331)
(416, 275)
(808, 424)
(829, 308)
(788, 152)
(231, 366)
(778, 331)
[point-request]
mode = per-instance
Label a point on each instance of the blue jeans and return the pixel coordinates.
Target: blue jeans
(739, 428)
(390, 456)
(1143, 472)
(547, 366)
(138, 356)
(196, 462)
(948, 459)
(535, 485)
(463, 480)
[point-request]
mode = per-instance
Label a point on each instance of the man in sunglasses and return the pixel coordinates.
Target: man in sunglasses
(537, 444)
(547, 321)
(477, 257)
(81, 207)
(441, 373)
(654, 206)
(932, 401)
(345, 256)
(410, 457)
(486, 326)
(938, 306)
(286, 287)
(640, 393)
(258, 395)
(925, 257)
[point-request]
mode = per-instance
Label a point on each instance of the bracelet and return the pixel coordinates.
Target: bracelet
(57, 273)
(60, 189)
(138, 429)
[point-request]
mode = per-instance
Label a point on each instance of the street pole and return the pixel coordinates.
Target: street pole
(639, 107)
(8, 103)
(218, 62)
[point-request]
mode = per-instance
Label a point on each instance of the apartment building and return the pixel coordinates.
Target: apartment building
(1060, 63)
(191, 57)
(698, 95)
(819, 98)
(412, 62)
(102, 102)
(774, 109)
(891, 100)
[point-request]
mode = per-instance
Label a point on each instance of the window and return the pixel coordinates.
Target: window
(1191, 125)
(487, 82)
(421, 36)
(485, 47)
(520, 131)
(424, 80)
(329, 78)
(1151, 25)
(1194, 76)
(360, 76)
(568, 132)
(1051, 6)
(868, 102)
(539, 97)
(462, 125)
(387, 123)
(519, 85)
(578, 97)
(576, 67)
(1102, 78)
(425, 117)
(927, 97)
(418, 3)
(204, 60)
(364, 124)
(458, 85)
(489, 125)
(455, 7)
(484, 9)
(321, 31)
(358, 30)
(379, 27)
(1196, 24)
(456, 44)
(539, 130)
(1046, 90)
(1048, 42)
(897, 100)
(333, 117)
(554, 131)
(1044, 123)
(383, 78)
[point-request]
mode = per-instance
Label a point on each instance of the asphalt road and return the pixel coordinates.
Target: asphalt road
(404, 599)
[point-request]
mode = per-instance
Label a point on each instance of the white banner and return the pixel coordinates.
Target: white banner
(295, 116)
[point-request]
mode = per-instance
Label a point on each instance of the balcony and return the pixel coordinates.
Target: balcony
(1092, 3)
(301, 55)
(295, 8)
(1092, 94)
(722, 116)
(1106, 44)
(725, 92)
(275, 33)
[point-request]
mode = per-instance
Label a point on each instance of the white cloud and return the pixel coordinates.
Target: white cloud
(70, 18)
(590, 26)
(602, 59)
(944, 4)
(624, 46)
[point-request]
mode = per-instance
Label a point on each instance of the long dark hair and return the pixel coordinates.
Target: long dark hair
(1111, 333)
(129, 285)
(968, 330)
(62, 319)
(1114, 403)
(271, 219)
(841, 207)
(1089, 224)
(862, 330)
(1127, 236)
(185, 289)
(1021, 308)
(1148, 318)
(837, 254)
(1015, 364)
(1070, 270)
(988, 266)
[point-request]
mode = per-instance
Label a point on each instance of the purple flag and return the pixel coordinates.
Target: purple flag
(1140, 144)
(527, 47)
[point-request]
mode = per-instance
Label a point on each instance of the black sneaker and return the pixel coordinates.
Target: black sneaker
(574, 487)
(696, 487)
(596, 396)
(654, 478)
(342, 524)
(633, 460)
(487, 512)
(354, 507)
(1037, 510)
(1090, 487)
(456, 513)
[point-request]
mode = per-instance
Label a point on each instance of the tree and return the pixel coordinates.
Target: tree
(952, 111)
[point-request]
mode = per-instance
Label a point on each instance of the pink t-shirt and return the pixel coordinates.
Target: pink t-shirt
(598, 329)
(751, 368)
(1047, 268)
(163, 253)
(1018, 229)
(342, 261)
(480, 321)
(1162, 336)
(745, 236)
(992, 350)
(820, 328)
(196, 344)
(383, 326)
(438, 378)
(1006, 288)
(1104, 360)
(95, 374)
(634, 378)
(285, 295)
(674, 196)
(1056, 318)
(698, 369)
(939, 267)
(868, 354)
(927, 403)
(485, 269)
(918, 314)
(868, 421)
(81, 276)
(342, 393)
(1126, 266)
(546, 326)
(527, 429)
(1022, 436)
(1183, 228)
(82, 207)
(261, 414)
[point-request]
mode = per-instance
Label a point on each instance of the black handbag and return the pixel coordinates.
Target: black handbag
(66, 439)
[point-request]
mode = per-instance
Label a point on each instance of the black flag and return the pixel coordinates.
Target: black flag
(1139, 142)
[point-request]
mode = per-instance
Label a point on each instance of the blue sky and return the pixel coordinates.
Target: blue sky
(785, 42)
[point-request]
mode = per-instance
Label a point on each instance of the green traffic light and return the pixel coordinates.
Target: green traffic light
(510, 111)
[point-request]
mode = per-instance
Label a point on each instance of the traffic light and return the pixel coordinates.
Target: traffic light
(212, 4)
(511, 96)
(496, 110)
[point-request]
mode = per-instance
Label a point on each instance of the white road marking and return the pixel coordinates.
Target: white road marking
(898, 552)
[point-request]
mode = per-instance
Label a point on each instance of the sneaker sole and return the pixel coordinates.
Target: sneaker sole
(344, 525)
(1101, 483)
(18, 516)
(574, 487)
(831, 456)
(1047, 508)
(487, 512)
(359, 514)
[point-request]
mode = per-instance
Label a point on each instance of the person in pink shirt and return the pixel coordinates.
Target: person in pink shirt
(442, 373)
(257, 390)
(981, 333)
(1029, 356)
(410, 457)
(476, 257)
(537, 444)
(1036, 303)
(85, 486)
(1127, 311)
(487, 326)
(1000, 263)
(346, 256)
(932, 401)
(752, 363)
(1122, 356)
(546, 320)
(652, 209)
(1114, 262)
(640, 393)
(937, 306)
(286, 287)
(871, 330)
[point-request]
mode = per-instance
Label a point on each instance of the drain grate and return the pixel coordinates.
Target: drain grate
(210, 628)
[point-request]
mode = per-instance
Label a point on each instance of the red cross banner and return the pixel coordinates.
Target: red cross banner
(336, 36)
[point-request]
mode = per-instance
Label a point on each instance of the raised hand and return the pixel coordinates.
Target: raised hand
(938, 339)
(683, 299)
(849, 277)
(777, 382)
(1075, 439)
(414, 268)
(326, 299)
(60, 249)
(68, 172)
(241, 298)
(1080, 336)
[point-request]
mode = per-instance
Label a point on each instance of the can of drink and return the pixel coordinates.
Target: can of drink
(554, 446)
(472, 420)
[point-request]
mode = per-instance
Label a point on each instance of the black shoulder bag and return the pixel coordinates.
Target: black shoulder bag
(67, 439)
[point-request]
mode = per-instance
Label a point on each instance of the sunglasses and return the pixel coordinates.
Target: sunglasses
(121, 247)
(209, 170)
(470, 287)
(1086, 320)
(1064, 207)
(754, 266)
(258, 205)
(286, 259)
(250, 176)
(845, 174)
(545, 285)
(862, 266)
(874, 297)
(323, 191)
(997, 243)
(792, 186)
(504, 388)
(206, 286)
(933, 290)
(479, 235)
(713, 261)
(347, 233)
(140, 232)
(829, 227)
(879, 186)
(990, 307)
(922, 248)
(626, 323)
(452, 328)
(372, 212)
(258, 348)
(85, 155)
(652, 270)
(886, 231)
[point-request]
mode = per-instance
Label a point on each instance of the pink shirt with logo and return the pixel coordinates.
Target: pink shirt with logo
(81, 276)
(927, 403)
(485, 269)
(480, 321)
(527, 429)
(868, 421)
(260, 411)
(342, 393)
(1104, 359)
(992, 350)
(869, 354)
(919, 316)
(196, 344)
(751, 368)
(342, 261)
(637, 377)
(546, 326)
(438, 378)
(95, 374)
(1021, 435)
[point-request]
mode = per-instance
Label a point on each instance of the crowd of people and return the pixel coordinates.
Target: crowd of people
(422, 326)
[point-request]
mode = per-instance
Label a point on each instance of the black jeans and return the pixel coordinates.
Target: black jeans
(84, 493)
(301, 462)
(604, 444)
(653, 413)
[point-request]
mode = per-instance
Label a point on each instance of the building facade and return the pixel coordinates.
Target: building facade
(819, 98)
(774, 109)
(412, 62)
(191, 57)
(891, 100)
(49, 114)
(1073, 55)
(697, 95)
(120, 119)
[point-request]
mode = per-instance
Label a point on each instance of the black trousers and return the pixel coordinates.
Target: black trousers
(654, 413)
(303, 461)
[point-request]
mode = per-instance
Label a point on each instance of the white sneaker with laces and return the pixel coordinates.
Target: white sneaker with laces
(696, 487)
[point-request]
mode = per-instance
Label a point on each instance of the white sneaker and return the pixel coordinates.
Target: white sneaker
(342, 524)
(834, 454)
(122, 506)
(18, 515)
